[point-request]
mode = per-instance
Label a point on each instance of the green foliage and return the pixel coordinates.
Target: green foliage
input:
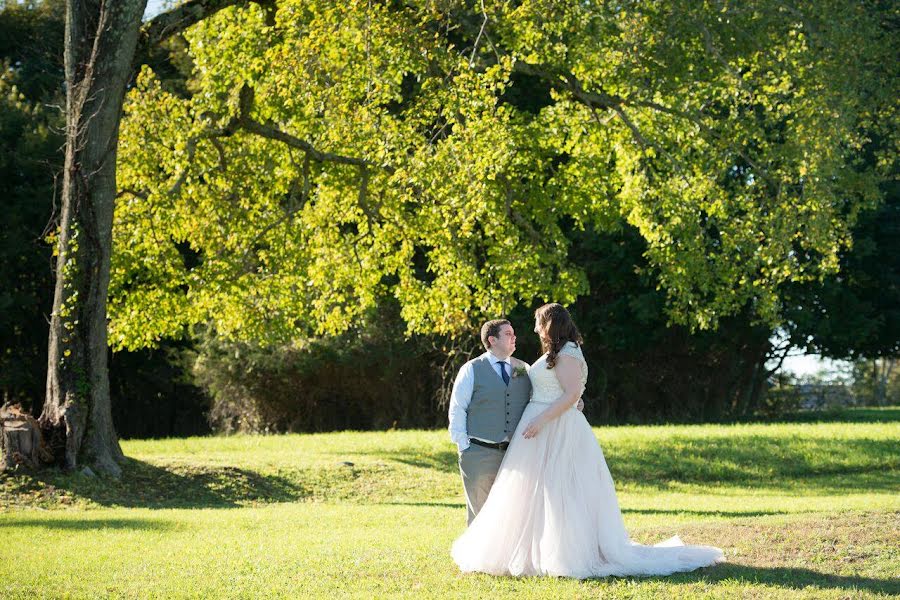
(32, 40)
(643, 369)
(366, 378)
(751, 193)
(725, 135)
(855, 313)
(876, 382)
(30, 157)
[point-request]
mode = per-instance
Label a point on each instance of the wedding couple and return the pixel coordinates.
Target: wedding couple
(539, 495)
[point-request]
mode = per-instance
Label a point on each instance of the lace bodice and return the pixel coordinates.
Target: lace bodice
(545, 387)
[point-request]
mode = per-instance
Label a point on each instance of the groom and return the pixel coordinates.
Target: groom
(488, 398)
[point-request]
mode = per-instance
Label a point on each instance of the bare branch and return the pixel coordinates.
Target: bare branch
(243, 121)
(276, 134)
(480, 33)
(781, 352)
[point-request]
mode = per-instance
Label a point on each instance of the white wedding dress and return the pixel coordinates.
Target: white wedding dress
(552, 509)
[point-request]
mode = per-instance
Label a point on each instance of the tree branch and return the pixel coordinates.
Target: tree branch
(594, 100)
(191, 152)
(711, 49)
(517, 217)
(480, 33)
(568, 82)
(178, 19)
(143, 194)
(268, 131)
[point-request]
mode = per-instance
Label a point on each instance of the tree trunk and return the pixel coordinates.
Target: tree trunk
(100, 47)
(749, 395)
(100, 43)
(759, 385)
(882, 376)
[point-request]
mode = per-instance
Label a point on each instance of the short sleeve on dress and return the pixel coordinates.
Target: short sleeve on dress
(573, 349)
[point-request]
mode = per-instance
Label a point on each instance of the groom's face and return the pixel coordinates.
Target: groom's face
(504, 344)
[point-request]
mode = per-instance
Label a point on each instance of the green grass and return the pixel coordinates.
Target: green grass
(801, 509)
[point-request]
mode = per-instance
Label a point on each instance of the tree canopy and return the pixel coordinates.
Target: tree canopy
(324, 155)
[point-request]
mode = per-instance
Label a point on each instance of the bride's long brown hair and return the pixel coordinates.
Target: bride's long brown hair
(555, 328)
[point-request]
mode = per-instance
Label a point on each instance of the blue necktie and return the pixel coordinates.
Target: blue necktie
(503, 372)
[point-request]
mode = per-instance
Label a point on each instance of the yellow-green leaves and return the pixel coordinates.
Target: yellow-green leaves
(395, 163)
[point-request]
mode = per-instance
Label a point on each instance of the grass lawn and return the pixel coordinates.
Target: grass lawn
(803, 509)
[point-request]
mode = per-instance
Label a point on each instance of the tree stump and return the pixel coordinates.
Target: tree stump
(21, 439)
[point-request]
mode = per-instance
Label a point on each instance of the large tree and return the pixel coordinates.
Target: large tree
(329, 153)
(101, 42)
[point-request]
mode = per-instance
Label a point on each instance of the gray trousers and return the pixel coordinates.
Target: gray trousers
(478, 466)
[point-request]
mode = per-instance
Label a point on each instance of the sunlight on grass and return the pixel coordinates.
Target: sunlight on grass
(801, 510)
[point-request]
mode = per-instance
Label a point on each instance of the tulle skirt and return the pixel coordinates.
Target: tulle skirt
(553, 511)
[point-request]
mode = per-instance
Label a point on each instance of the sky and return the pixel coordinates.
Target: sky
(153, 7)
(809, 364)
(800, 363)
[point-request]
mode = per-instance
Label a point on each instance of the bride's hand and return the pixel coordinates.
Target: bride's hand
(533, 428)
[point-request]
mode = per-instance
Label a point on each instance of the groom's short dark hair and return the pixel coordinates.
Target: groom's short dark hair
(492, 328)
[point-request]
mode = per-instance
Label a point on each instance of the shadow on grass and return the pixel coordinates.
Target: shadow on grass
(708, 513)
(781, 577)
(89, 524)
(149, 486)
(453, 505)
(790, 464)
(640, 511)
(444, 461)
(884, 414)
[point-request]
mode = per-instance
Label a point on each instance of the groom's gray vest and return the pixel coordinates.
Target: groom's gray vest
(495, 408)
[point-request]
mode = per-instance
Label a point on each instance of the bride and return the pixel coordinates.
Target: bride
(552, 509)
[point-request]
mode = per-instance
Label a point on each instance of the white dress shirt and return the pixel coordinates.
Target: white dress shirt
(461, 396)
